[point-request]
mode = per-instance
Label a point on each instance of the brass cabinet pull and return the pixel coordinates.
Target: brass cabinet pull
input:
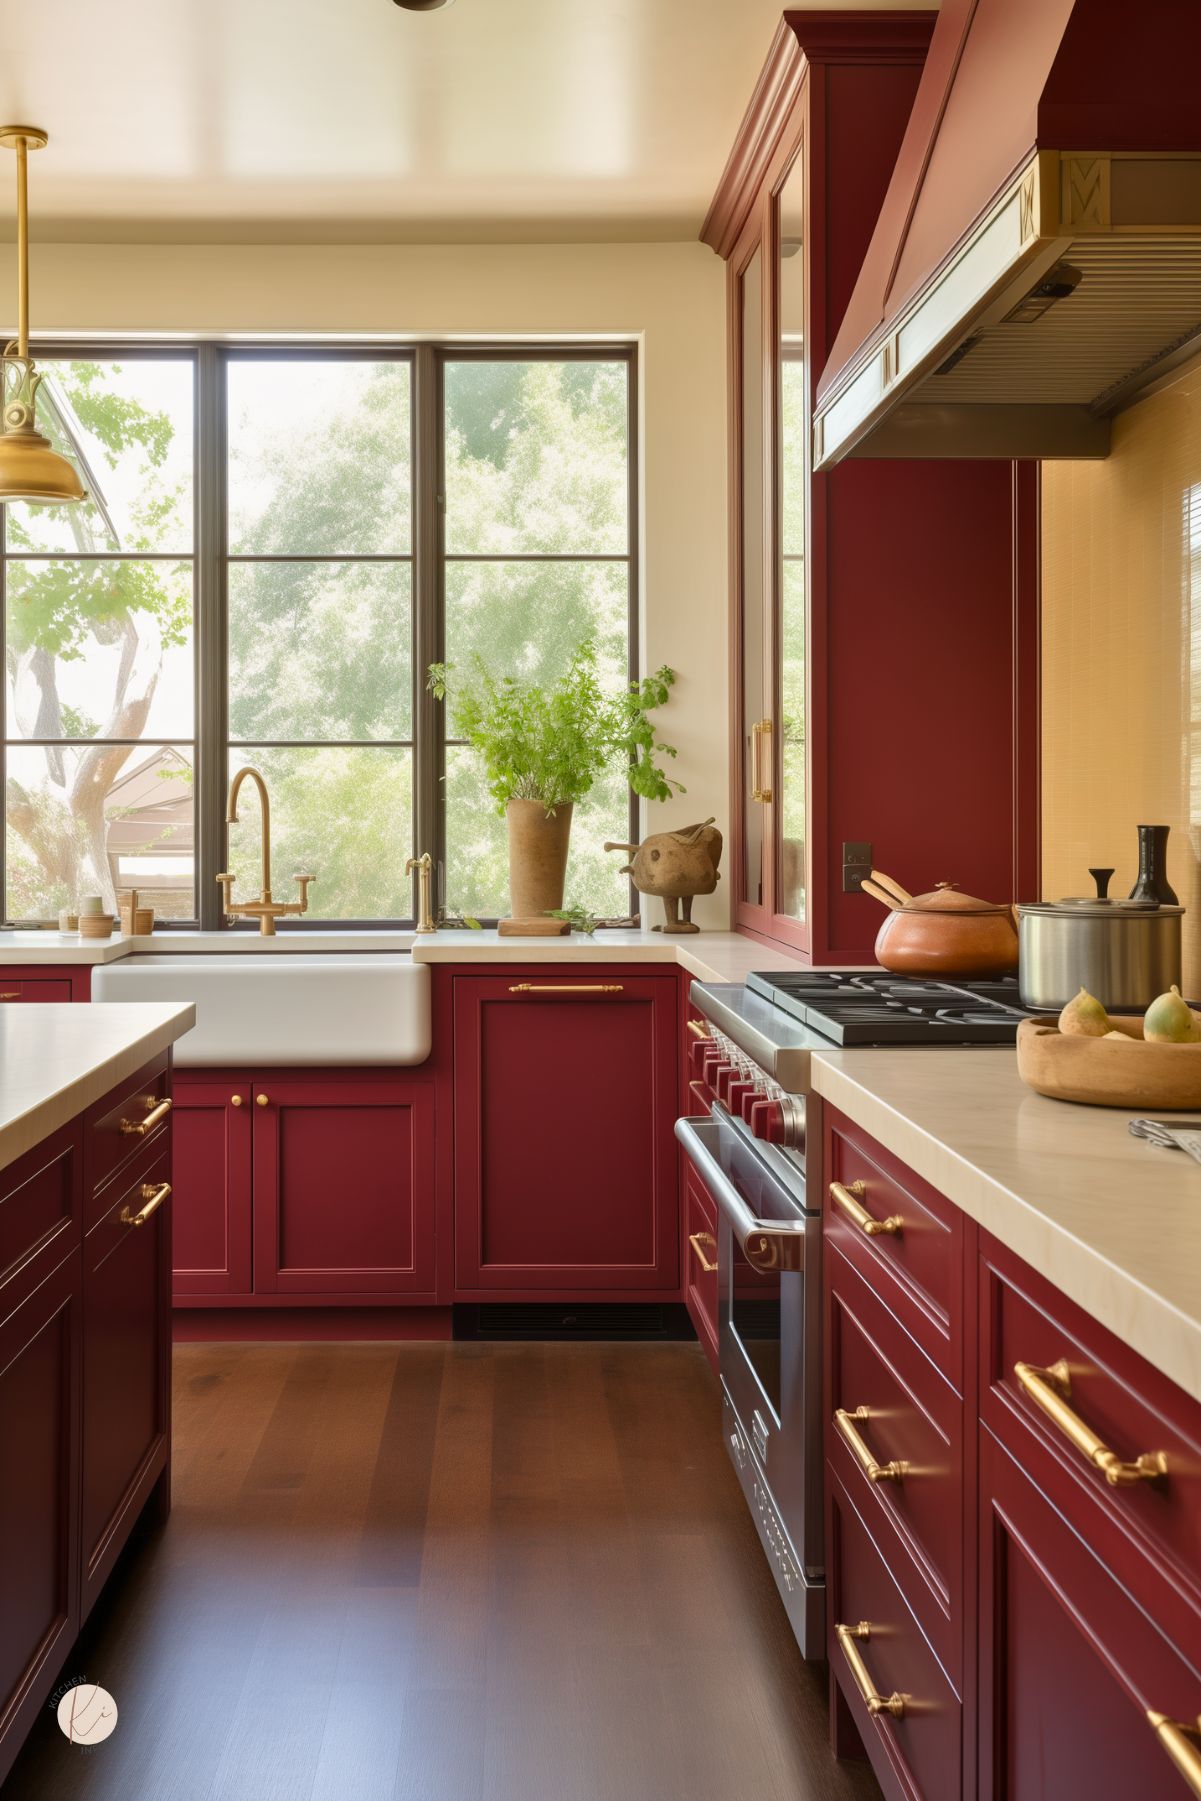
(698, 1241)
(14, 994)
(1050, 1389)
(875, 1703)
(848, 1424)
(1182, 1744)
(697, 1029)
(760, 790)
(138, 1128)
(848, 1197)
(262, 1100)
(235, 1100)
(566, 988)
(153, 1197)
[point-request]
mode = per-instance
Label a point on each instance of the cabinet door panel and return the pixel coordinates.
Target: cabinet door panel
(211, 1165)
(126, 1386)
(39, 1472)
(565, 1155)
(1070, 1660)
(343, 1188)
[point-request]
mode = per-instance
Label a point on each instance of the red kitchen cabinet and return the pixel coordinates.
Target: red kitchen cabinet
(850, 668)
(39, 1492)
(212, 1200)
(127, 1370)
(343, 1188)
(1072, 1660)
(295, 1187)
(700, 1263)
(565, 1167)
(43, 982)
(1064, 1610)
(85, 1346)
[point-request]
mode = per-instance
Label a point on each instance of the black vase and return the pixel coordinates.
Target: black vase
(1153, 884)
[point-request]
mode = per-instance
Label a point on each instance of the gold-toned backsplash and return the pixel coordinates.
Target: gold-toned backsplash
(1121, 680)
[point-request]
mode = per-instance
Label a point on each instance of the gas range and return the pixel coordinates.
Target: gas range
(781, 1016)
(746, 1140)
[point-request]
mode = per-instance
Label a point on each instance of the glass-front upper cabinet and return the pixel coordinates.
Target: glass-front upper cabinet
(792, 413)
(754, 608)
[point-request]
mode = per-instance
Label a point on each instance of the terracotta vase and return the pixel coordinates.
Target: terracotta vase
(537, 857)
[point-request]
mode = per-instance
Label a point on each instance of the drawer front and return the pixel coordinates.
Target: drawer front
(917, 1752)
(1072, 1659)
(118, 1127)
(39, 988)
(40, 1212)
(700, 1252)
(894, 1433)
(915, 1259)
(1128, 1408)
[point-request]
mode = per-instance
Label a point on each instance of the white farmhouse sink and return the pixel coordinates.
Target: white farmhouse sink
(271, 1009)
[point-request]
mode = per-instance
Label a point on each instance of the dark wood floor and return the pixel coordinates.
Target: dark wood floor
(446, 1572)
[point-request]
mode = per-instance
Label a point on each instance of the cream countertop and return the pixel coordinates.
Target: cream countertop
(1113, 1222)
(56, 1060)
(711, 956)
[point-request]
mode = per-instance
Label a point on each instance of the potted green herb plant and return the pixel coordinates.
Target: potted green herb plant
(542, 749)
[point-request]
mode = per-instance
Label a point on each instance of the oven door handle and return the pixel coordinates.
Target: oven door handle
(767, 1244)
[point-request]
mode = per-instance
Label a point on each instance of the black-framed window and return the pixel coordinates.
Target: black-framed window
(279, 541)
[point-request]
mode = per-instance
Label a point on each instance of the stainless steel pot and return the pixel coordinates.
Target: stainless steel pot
(1124, 952)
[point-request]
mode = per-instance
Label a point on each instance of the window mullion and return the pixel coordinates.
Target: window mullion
(429, 824)
(212, 708)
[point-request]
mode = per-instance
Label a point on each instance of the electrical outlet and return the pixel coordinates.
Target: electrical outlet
(856, 863)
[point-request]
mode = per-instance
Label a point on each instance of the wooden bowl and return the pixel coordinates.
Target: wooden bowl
(1105, 1072)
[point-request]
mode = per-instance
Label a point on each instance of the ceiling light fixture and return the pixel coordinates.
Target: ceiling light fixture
(30, 469)
(422, 6)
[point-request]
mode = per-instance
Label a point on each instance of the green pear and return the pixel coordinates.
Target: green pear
(1169, 1020)
(1084, 1017)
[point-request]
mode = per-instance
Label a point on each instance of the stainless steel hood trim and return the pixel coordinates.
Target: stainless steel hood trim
(1054, 201)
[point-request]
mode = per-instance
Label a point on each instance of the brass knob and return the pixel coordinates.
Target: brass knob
(235, 1100)
(261, 1100)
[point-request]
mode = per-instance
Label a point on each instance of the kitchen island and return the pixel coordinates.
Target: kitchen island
(85, 1344)
(1012, 1406)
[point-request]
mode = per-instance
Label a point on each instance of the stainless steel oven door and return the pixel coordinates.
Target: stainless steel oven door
(769, 1323)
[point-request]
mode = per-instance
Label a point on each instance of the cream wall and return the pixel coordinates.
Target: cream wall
(669, 296)
(1122, 654)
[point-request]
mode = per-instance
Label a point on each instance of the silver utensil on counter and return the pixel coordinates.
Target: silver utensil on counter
(1172, 1135)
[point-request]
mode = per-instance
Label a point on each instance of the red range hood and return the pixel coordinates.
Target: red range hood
(1037, 261)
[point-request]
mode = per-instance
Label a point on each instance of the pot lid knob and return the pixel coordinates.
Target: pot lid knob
(1102, 877)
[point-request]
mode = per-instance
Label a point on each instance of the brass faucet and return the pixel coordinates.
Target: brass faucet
(424, 865)
(265, 910)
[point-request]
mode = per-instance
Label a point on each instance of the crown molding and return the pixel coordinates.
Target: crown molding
(801, 39)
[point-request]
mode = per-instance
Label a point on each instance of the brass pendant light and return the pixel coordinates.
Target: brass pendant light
(29, 468)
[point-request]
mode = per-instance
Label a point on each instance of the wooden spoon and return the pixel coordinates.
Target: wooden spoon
(894, 888)
(880, 894)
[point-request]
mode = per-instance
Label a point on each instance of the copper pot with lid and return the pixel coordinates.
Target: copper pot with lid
(944, 933)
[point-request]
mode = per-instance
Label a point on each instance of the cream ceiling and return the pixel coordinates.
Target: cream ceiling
(334, 120)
